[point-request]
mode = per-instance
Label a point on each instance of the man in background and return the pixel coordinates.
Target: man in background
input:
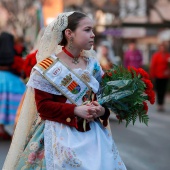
(133, 57)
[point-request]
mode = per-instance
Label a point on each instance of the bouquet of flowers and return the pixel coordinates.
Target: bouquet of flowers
(126, 92)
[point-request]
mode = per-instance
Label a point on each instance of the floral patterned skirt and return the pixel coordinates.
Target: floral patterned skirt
(55, 146)
(33, 156)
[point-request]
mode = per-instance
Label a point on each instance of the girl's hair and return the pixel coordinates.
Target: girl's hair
(73, 21)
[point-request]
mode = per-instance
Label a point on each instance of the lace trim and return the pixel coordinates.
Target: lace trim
(37, 81)
(49, 148)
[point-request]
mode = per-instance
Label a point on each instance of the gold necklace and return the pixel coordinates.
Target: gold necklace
(75, 59)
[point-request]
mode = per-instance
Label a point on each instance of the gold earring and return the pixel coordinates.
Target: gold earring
(70, 44)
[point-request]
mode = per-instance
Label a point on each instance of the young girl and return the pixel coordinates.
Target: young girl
(61, 126)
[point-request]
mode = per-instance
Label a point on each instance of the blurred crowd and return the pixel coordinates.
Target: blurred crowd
(159, 65)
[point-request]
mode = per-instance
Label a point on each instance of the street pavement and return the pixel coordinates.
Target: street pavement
(145, 147)
(141, 147)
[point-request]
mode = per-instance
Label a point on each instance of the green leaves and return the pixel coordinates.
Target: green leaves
(122, 91)
(144, 119)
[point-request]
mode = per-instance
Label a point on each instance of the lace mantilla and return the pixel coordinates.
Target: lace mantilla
(52, 36)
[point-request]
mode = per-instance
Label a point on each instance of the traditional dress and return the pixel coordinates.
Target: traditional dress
(54, 145)
(11, 91)
(11, 85)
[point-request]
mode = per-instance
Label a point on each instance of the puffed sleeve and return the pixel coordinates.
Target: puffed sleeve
(52, 107)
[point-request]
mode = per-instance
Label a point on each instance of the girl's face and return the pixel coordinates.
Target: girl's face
(83, 36)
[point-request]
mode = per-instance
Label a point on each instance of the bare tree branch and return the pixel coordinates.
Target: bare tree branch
(20, 13)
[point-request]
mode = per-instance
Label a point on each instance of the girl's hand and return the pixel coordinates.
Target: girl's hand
(85, 111)
(99, 109)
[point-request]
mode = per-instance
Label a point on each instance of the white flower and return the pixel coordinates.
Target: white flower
(34, 146)
(38, 168)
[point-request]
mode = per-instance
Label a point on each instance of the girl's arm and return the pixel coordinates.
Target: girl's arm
(102, 112)
(53, 107)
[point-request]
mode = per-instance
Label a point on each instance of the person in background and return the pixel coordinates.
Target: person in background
(30, 59)
(28, 64)
(20, 50)
(105, 55)
(19, 47)
(132, 57)
(11, 85)
(160, 73)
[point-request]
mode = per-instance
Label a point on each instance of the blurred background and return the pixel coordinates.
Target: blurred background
(144, 23)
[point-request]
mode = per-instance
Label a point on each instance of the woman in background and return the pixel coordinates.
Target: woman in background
(11, 85)
(160, 73)
(105, 55)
